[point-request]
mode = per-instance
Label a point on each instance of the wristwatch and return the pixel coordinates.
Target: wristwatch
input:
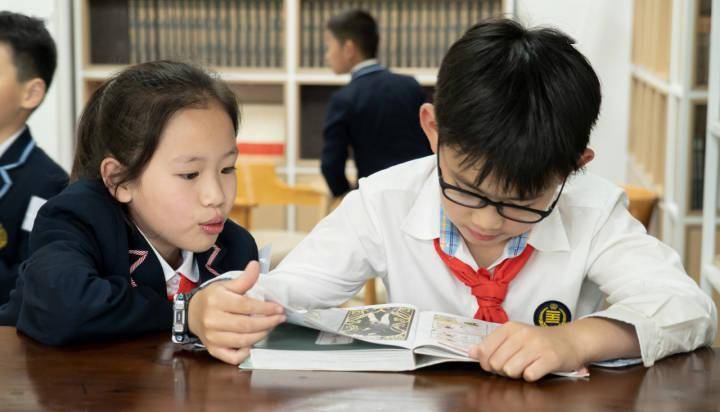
(181, 301)
(180, 330)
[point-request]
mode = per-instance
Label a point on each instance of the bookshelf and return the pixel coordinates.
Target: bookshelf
(669, 94)
(271, 53)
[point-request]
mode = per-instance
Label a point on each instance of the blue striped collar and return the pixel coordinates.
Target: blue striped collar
(366, 70)
(15, 156)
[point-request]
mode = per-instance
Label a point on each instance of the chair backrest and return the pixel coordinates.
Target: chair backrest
(258, 184)
(642, 203)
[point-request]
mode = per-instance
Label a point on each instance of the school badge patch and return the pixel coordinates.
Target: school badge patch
(552, 313)
(3, 237)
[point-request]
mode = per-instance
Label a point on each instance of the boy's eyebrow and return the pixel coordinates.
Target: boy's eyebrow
(465, 183)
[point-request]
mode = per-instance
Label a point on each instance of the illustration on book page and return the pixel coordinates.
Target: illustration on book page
(383, 323)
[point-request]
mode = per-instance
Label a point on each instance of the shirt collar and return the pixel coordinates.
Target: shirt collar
(6, 145)
(363, 64)
(422, 220)
(188, 267)
(452, 243)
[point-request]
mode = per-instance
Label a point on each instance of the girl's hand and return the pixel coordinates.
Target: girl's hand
(229, 323)
(518, 350)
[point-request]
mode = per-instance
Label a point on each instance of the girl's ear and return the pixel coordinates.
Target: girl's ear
(429, 124)
(110, 169)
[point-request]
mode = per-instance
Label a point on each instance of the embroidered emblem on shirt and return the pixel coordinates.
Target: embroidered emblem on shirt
(552, 313)
(3, 237)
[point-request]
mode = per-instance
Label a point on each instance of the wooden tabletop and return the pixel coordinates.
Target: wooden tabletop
(151, 373)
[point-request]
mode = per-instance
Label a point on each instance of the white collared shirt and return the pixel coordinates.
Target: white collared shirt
(6, 144)
(363, 64)
(188, 268)
(587, 250)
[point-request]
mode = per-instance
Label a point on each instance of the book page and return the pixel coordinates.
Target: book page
(453, 333)
(388, 324)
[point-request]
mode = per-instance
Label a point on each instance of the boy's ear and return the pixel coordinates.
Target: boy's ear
(587, 157)
(33, 93)
(349, 49)
(110, 169)
(429, 124)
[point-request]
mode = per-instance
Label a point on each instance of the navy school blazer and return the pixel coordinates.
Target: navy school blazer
(91, 275)
(25, 171)
(377, 115)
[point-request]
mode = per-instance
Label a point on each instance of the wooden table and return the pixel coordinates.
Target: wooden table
(150, 373)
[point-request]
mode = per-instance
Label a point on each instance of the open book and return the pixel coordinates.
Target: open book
(390, 337)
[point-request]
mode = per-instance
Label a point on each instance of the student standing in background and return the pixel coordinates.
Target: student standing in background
(376, 114)
(27, 175)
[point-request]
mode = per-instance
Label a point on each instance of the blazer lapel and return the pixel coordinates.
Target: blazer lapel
(144, 267)
(208, 262)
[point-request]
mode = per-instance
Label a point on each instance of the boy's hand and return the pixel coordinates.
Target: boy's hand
(519, 350)
(229, 323)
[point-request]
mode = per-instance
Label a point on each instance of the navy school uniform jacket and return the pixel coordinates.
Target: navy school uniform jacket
(25, 171)
(91, 274)
(377, 115)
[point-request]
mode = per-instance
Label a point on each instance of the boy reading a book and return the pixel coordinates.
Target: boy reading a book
(501, 224)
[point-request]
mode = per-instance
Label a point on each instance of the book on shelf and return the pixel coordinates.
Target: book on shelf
(249, 33)
(388, 337)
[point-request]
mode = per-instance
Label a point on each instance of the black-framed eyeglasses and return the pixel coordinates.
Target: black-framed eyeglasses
(472, 200)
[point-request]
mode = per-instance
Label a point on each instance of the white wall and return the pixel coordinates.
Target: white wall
(603, 31)
(52, 124)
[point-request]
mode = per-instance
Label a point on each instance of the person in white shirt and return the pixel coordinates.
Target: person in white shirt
(501, 224)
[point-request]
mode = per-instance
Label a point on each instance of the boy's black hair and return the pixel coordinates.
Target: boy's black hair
(358, 26)
(516, 103)
(33, 49)
(125, 117)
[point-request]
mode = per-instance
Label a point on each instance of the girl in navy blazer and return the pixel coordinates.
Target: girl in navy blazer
(145, 217)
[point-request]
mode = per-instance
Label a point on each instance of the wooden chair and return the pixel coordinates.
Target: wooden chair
(258, 184)
(642, 203)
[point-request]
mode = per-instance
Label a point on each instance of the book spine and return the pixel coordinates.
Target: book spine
(281, 32)
(152, 30)
(232, 34)
(412, 51)
(183, 37)
(225, 51)
(161, 29)
(141, 31)
(241, 33)
(308, 38)
(319, 26)
(133, 30)
(252, 34)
